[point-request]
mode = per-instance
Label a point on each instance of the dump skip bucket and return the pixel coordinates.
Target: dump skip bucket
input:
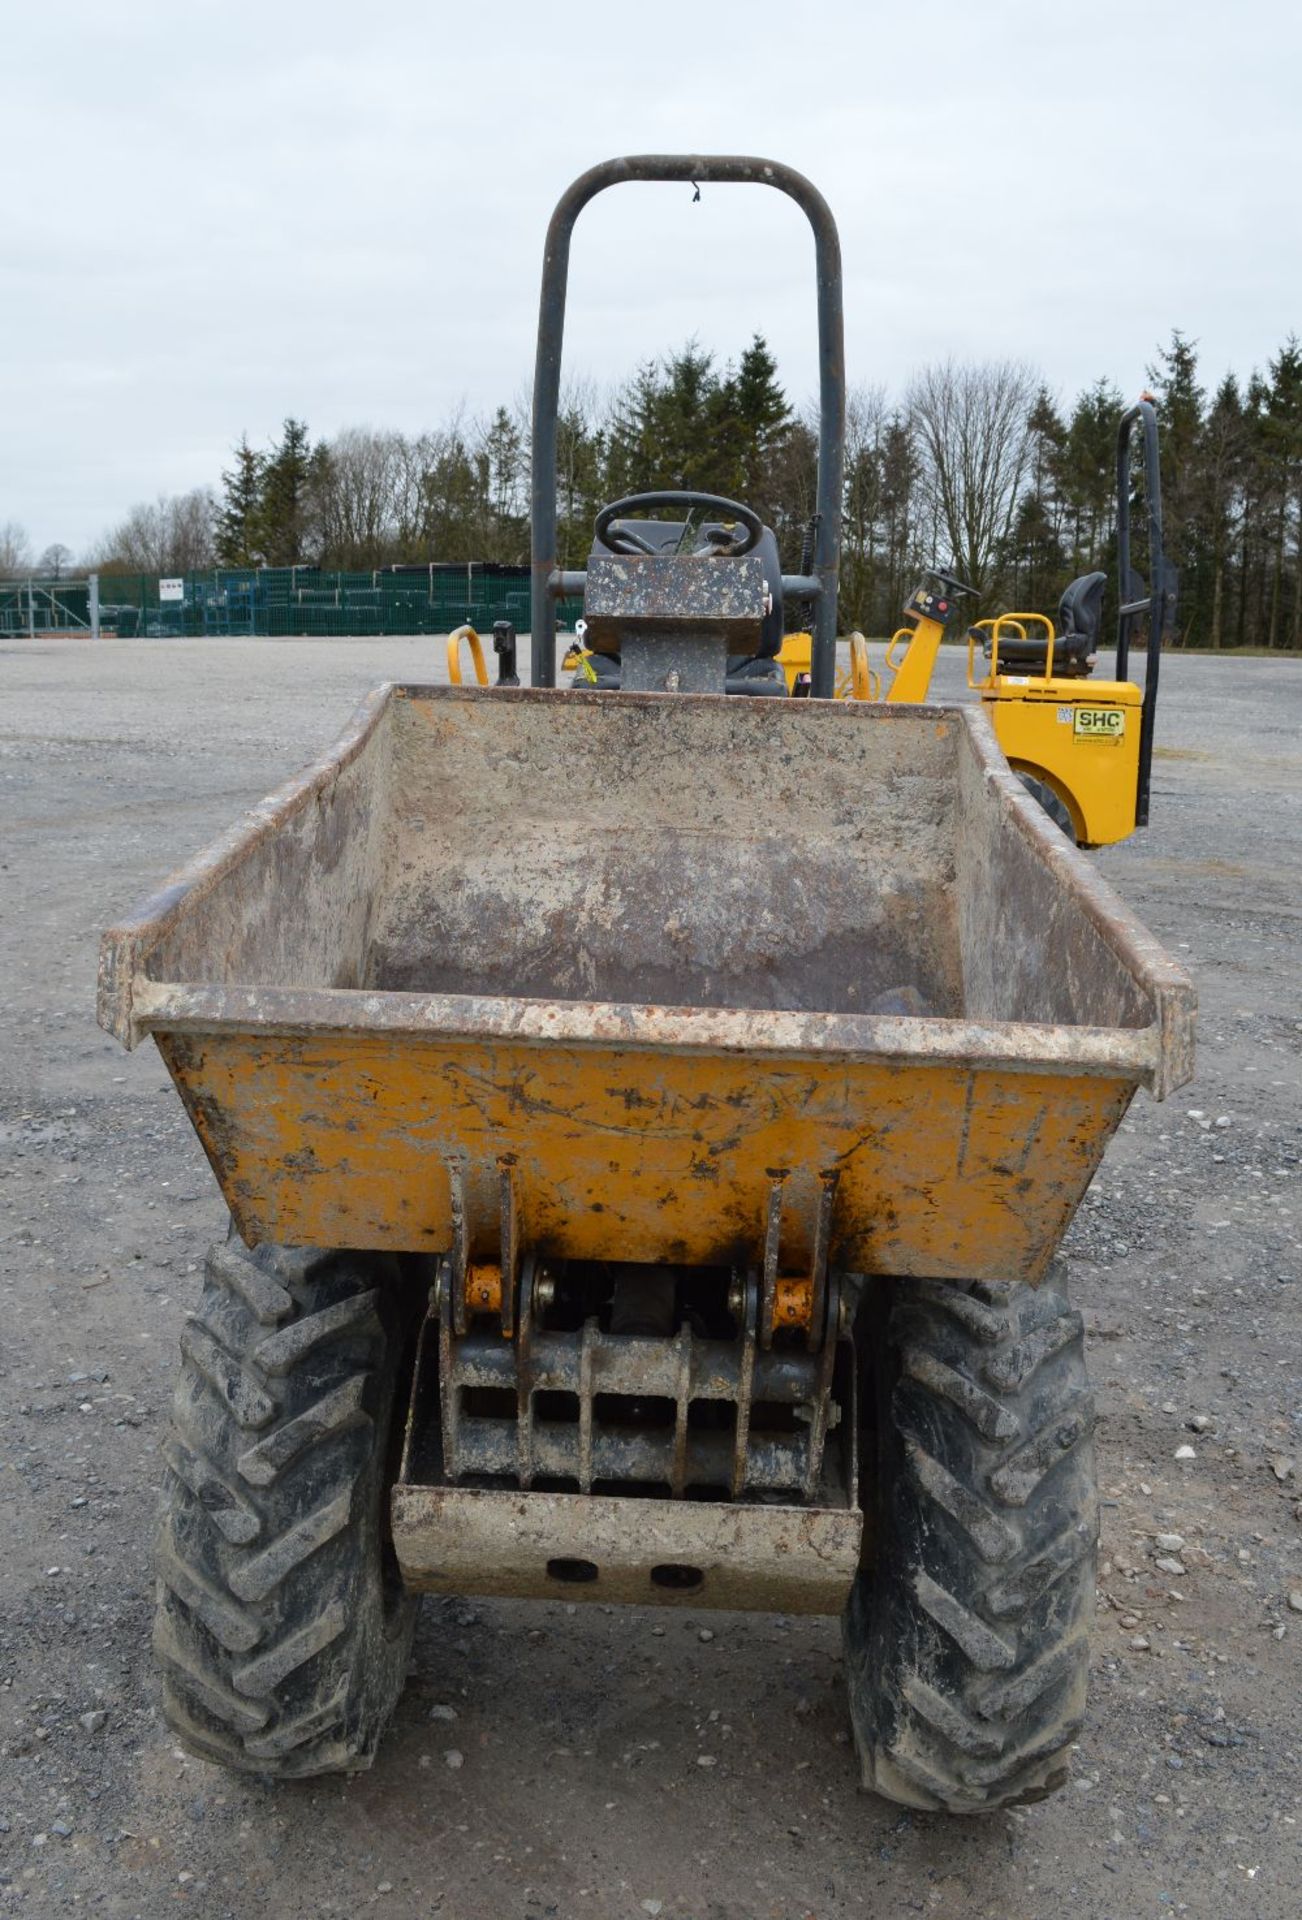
(649, 954)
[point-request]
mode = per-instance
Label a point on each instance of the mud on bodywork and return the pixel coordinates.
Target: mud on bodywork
(569, 929)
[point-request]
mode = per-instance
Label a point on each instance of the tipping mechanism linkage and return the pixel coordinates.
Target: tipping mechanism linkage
(536, 1388)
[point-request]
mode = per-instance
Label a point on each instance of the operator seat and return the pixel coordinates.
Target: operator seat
(1079, 616)
(757, 673)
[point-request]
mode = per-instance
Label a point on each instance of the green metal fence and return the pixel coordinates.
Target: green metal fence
(281, 602)
(44, 606)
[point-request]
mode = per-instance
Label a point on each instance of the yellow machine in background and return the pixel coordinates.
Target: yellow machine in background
(1081, 747)
(859, 681)
(1074, 743)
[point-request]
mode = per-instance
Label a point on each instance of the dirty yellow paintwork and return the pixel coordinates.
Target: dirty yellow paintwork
(796, 656)
(913, 673)
(858, 681)
(484, 1287)
(793, 1300)
(864, 683)
(1038, 717)
(1095, 775)
(643, 1155)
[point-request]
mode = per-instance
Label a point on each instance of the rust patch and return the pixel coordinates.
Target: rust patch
(793, 1301)
(409, 960)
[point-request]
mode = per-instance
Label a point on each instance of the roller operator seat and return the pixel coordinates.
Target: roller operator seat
(1079, 616)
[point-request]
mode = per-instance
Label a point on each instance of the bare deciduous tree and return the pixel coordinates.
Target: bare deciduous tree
(974, 443)
(354, 494)
(174, 534)
(15, 550)
(865, 426)
(414, 457)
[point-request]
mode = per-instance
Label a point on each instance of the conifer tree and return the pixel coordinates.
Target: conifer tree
(1281, 432)
(238, 531)
(283, 507)
(1222, 467)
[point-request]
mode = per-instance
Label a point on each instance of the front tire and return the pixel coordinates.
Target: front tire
(967, 1640)
(1052, 804)
(282, 1630)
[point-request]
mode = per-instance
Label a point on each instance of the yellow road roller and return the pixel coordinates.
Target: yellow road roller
(1082, 748)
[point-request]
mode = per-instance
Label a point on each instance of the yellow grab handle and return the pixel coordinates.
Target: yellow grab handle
(1019, 621)
(1014, 624)
(971, 658)
(476, 656)
(864, 684)
(991, 630)
(900, 634)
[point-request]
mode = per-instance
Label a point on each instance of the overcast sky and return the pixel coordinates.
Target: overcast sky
(217, 213)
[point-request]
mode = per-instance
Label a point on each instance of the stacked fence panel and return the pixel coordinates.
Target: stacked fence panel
(282, 602)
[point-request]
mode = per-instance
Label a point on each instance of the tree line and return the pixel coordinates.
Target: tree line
(977, 467)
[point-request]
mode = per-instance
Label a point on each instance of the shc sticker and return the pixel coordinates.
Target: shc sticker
(1099, 723)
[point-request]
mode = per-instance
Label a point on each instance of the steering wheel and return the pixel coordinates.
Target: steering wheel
(625, 540)
(953, 586)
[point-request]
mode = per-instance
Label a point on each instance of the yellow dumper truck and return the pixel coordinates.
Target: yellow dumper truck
(648, 1114)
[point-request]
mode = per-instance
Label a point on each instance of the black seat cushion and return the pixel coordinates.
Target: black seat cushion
(1081, 609)
(1079, 614)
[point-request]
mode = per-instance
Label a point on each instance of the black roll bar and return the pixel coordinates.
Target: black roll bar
(730, 168)
(1159, 600)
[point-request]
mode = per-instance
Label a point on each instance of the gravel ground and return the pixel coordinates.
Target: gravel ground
(553, 1762)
